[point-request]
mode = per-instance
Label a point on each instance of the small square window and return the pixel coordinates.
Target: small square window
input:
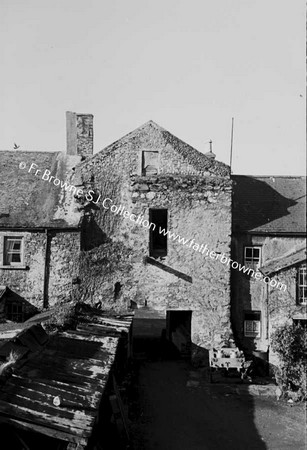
(13, 251)
(252, 257)
(252, 324)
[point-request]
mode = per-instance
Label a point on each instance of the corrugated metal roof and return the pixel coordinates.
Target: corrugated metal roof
(286, 260)
(269, 204)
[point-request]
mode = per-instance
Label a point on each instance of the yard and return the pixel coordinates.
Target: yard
(174, 408)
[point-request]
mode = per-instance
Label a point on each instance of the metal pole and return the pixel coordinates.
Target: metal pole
(231, 142)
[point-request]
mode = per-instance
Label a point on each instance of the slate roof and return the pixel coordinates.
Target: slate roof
(269, 205)
(284, 261)
(198, 160)
(28, 201)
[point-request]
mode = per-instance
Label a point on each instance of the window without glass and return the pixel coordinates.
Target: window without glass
(302, 285)
(157, 239)
(149, 163)
(252, 324)
(13, 251)
(252, 257)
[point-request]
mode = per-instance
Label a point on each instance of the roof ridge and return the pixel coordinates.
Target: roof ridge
(185, 150)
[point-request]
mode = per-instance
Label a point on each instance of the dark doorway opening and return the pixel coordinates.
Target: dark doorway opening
(178, 331)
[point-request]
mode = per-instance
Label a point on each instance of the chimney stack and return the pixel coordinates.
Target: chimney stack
(79, 134)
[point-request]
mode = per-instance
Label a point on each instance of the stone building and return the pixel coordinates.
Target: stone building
(90, 226)
(144, 183)
(40, 222)
(141, 224)
(268, 236)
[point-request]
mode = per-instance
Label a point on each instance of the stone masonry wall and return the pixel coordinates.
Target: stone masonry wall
(64, 268)
(28, 282)
(251, 294)
(114, 266)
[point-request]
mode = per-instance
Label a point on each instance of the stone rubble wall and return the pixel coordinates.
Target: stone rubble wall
(115, 249)
(251, 294)
(63, 258)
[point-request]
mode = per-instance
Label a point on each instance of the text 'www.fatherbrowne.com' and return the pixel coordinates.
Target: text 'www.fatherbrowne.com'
(107, 203)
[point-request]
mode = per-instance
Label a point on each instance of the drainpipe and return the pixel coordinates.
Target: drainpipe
(267, 312)
(45, 288)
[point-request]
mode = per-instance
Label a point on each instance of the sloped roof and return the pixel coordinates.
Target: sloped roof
(195, 158)
(284, 261)
(2, 291)
(71, 367)
(269, 204)
(27, 200)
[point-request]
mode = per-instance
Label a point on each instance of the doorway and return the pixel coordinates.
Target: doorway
(178, 331)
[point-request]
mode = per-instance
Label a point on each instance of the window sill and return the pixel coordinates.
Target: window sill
(253, 337)
(14, 267)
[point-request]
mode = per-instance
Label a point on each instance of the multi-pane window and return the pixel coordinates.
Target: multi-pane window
(157, 234)
(14, 312)
(252, 257)
(302, 284)
(252, 324)
(13, 251)
(149, 163)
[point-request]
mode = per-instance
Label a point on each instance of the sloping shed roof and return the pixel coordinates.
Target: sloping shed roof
(26, 200)
(2, 291)
(198, 160)
(270, 205)
(72, 365)
(285, 261)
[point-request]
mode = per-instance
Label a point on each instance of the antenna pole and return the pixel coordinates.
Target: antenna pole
(231, 142)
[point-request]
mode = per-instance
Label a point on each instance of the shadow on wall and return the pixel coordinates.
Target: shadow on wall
(240, 288)
(168, 269)
(92, 236)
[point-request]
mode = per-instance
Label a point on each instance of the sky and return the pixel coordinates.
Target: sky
(188, 65)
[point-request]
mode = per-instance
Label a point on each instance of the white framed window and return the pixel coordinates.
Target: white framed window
(302, 285)
(252, 324)
(13, 251)
(252, 257)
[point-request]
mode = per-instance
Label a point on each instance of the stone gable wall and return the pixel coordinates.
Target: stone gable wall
(116, 249)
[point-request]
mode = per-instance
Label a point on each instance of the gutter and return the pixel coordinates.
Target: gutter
(269, 233)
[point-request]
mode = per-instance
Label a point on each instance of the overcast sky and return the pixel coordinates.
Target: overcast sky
(188, 65)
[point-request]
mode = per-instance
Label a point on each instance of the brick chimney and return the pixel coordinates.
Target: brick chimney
(79, 134)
